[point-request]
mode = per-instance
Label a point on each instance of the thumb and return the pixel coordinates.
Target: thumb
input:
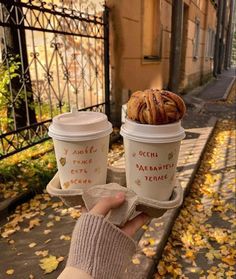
(106, 204)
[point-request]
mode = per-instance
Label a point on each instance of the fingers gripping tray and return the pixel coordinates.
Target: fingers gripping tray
(119, 216)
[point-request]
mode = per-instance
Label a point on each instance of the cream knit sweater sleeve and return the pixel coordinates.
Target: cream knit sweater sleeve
(99, 249)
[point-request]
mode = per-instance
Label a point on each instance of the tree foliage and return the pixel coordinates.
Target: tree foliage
(6, 75)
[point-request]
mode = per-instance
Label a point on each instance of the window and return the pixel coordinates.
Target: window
(212, 49)
(196, 38)
(210, 43)
(151, 30)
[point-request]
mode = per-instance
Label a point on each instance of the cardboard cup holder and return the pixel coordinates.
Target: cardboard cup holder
(119, 216)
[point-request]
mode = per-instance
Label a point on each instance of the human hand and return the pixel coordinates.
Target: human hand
(100, 248)
(108, 203)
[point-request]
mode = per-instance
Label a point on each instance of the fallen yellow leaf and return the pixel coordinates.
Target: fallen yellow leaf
(135, 261)
(34, 222)
(10, 271)
(145, 227)
(57, 218)
(210, 256)
(149, 252)
(229, 260)
(212, 276)
(152, 241)
(75, 213)
(50, 224)
(8, 232)
(49, 264)
(60, 259)
(33, 244)
(65, 237)
(161, 268)
(43, 253)
(190, 255)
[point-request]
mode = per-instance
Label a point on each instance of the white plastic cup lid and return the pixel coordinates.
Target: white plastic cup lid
(152, 133)
(79, 126)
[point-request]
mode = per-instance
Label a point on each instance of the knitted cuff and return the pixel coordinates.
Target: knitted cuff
(99, 248)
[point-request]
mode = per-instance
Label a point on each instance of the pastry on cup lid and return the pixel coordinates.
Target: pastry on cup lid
(155, 107)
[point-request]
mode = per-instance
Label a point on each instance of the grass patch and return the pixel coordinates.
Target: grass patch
(31, 168)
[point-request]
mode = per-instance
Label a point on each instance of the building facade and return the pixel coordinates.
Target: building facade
(162, 44)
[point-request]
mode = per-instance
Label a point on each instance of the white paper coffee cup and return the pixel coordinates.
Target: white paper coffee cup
(81, 142)
(151, 155)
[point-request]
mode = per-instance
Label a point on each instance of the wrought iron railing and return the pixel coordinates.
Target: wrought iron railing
(53, 58)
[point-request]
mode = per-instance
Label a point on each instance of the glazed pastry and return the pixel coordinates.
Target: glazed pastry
(155, 107)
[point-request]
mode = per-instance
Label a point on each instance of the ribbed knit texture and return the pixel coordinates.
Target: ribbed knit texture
(100, 248)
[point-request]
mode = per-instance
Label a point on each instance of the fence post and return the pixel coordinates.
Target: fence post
(106, 60)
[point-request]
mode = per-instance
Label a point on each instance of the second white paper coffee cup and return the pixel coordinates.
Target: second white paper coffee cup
(151, 155)
(81, 142)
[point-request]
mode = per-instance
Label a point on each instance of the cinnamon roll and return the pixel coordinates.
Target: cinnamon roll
(155, 107)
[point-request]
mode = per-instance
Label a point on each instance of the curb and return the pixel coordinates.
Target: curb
(10, 204)
(224, 98)
(148, 265)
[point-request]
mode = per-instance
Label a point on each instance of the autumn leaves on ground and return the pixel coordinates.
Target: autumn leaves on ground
(203, 239)
(36, 236)
(32, 234)
(202, 242)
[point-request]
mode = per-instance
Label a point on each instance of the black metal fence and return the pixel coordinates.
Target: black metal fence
(52, 58)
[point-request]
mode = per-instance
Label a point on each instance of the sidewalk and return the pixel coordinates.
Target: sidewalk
(43, 226)
(220, 87)
(217, 88)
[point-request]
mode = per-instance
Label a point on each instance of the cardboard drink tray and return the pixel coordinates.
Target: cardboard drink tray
(132, 205)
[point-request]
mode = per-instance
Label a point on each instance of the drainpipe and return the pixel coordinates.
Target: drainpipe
(229, 36)
(217, 37)
(222, 39)
(176, 43)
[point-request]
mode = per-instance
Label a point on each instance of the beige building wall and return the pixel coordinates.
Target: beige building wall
(211, 23)
(130, 71)
(199, 68)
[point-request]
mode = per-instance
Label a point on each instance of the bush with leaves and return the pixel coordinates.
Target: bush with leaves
(7, 73)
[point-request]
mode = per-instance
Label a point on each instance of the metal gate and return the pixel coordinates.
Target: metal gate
(53, 57)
